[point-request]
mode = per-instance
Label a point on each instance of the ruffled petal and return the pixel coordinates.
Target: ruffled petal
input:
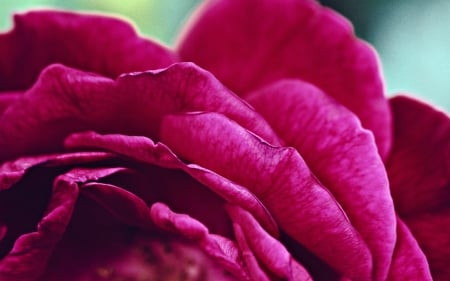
(65, 100)
(280, 178)
(419, 173)
(8, 98)
(222, 250)
(105, 45)
(340, 153)
(268, 250)
(146, 151)
(249, 43)
(408, 261)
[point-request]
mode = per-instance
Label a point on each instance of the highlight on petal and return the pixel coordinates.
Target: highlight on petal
(408, 261)
(65, 100)
(6, 99)
(340, 153)
(101, 44)
(290, 39)
(146, 151)
(280, 178)
(419, 173)
(268, 250)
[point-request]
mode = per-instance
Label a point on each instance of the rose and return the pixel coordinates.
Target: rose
(296, 189)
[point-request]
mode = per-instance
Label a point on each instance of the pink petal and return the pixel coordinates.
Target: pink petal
(219, 248)
(279, 177)
(65, 100)
(340, 153)
(8, 98)
(408, 261)
(158, 154)
(28, 258)
(419, 172)
(266, 248)
(100, 44)
(250, 43)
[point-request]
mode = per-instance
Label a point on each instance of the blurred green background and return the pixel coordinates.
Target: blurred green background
(412, 36)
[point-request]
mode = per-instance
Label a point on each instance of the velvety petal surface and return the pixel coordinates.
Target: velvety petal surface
(419, 173)
(105, 45)
(249, 43)
(280, 178)
(340, 153)
(223, 250)
(146, 151)
(408, 261)
(66, 100)
(267, 249)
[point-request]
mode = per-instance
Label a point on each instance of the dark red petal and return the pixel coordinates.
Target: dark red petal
(340, 153)
(408, 261)
(158, 154)
(268, 250)
(100, 44)
(224, 251)
(419, 173)
(65, 100)
(279, 178)
(249, 43)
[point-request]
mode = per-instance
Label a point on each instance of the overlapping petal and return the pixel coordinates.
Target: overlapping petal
(280, 178)
(340, 153)
(32, 248)
(419, 173)
(66, 100)
(249, 43)
(105, 45)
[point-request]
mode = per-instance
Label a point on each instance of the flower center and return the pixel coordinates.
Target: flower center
(158, 259)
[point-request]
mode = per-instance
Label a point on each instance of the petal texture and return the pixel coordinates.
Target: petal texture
(340, 153)
(419, 172)
(302, 206)
(290, 39)
(65, 100)
(100, 44)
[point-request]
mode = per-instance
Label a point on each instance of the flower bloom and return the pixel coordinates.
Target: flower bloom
(261, 147)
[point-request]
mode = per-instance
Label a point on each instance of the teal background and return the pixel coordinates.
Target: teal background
(412, 37)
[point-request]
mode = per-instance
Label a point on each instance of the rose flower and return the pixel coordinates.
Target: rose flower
(260, 147)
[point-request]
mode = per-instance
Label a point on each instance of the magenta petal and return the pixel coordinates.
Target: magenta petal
(11, 172)
(340, 153)
(248, 44)
(272, 254)
(408, 261)
(419, 172)
(8, 98)
(100, 44)
(29, 256)
(279, 178)
(158, 154)
(65, 100)
(219, 248)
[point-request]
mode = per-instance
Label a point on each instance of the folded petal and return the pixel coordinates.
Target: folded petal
(268, 250)
(105, 45)
(408, 261)
(146, 151)
(280, 178)
(419, 173)
(65, 100)
(340, 153)
(249, 43)
(28, 257)
(222, 250)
